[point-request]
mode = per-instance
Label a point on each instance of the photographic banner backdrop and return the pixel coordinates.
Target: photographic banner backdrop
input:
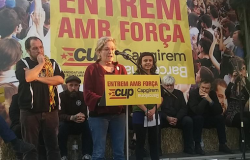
(158, 26)
(72, 28)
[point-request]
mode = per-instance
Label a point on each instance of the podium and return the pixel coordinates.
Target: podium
(131, 90)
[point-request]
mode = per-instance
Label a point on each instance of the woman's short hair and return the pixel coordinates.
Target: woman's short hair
(10, 53)
(168, 79)
(102, 41)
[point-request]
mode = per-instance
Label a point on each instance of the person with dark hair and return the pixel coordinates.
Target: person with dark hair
(190, 5)
(234, 93)
(23, 4)
(206, 112)
(104, 118)
(204, 46)
(174, 113)
(148, 64)
(193, 19)
(221, 66)
(225, 6)
(151, 68)
(214, 15)
(28, 42)
(38, 98)
(206, 23)
(23, 27)
(208, 35)
(204, 73)
(232, 16)
(194, 7)
(9, 22)
(219, 86)
(46, 26)
(204, 59)
(238, 40)
(210, 7)
(193, 30)
(73, 118)
(226, 32)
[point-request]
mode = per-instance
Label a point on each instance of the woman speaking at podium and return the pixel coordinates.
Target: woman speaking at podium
(104, 118)
(147, 62)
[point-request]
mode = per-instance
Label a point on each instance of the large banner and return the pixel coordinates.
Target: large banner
(189, 38)
(157, 26)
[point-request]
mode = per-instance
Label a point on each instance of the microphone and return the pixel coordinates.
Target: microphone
(124, 54)
(226, 55)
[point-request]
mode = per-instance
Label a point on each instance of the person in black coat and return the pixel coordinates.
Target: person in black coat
(206, 111)
(73, 118)
(174, 113)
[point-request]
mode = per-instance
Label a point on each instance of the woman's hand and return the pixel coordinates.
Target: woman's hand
(234, 76)
(150, 114)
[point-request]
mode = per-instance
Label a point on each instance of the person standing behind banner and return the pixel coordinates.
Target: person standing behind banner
(148, 63)
(104, 118)
(38, 98)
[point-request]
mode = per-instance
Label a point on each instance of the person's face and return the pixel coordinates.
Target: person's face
(208, 9)
(203, 25)
(73, 86)
(202, 35)
(107, 52)
(236, 38)
(19, 28)
(243, 71)
(198, 77)
(216, 33)
(169, 87)
(201, 54)
(226, 32)
(199, 48)
(221, 96)
(195, 2)
(205, 87)
(147, 62)
(36, 48)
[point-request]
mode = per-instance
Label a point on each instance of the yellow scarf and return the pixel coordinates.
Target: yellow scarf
(49, 72)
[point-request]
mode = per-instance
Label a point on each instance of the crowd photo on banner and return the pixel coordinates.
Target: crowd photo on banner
(215, 36)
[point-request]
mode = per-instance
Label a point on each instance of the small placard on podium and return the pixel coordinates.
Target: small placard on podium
(132, 89)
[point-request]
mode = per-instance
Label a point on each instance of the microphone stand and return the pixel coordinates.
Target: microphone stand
(128, 57)
(239, 98)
